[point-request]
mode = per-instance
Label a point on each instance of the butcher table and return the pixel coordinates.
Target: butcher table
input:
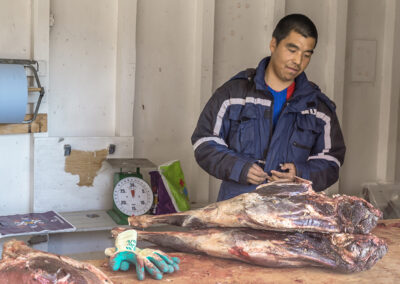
(206, 269)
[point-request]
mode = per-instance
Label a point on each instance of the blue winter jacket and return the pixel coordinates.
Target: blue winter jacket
(235, 130)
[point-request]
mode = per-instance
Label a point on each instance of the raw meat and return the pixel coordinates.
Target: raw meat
(341, 252)
(278, 207)
(22, 264)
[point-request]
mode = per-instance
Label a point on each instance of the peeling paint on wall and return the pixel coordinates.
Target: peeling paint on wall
(86, 164)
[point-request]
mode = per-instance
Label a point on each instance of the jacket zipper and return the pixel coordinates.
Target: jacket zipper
(271, 124)
(270, 130)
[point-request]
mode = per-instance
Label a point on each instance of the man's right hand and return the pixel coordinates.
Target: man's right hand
(256, 175)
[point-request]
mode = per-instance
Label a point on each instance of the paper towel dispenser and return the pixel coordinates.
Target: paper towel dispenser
(14, 89)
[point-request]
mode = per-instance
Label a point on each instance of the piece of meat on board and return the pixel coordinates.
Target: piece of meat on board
(278, 207)
(342, 252)
(22, 264)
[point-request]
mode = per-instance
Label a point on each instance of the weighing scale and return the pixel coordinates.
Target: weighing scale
(132, 196)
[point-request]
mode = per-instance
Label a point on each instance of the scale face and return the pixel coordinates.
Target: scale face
(132, 196)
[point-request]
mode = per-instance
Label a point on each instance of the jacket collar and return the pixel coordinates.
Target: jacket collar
(303, 87)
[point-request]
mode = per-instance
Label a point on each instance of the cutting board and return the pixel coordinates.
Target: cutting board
(206, 269)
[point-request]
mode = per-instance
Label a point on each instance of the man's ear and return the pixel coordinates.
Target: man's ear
(272, 45)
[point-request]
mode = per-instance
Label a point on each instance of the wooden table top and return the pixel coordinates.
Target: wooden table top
(206, 269)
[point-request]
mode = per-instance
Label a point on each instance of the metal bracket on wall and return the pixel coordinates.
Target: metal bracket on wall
(111, 149)
(67, 150)
(29, 64)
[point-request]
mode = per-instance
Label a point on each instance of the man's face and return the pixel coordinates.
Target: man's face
(291, 56)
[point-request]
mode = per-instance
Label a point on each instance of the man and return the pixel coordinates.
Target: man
(271, 123)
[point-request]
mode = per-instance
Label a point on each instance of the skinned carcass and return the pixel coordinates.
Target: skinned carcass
(341, 252)
(22, 264)
(280, 207)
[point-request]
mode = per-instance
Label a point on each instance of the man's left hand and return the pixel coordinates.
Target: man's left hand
(284, 176)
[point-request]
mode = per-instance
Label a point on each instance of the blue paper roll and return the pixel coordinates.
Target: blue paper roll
(13, 93)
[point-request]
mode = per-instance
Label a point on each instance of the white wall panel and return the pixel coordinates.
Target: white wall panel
(83, 68)
(126, 67)
(165, 99)
(14, 174)
(15, 29)
(56, 189)
(243, 31)
(203, 64)
(15, 42)
(362, 99)
(389, 95)
(396, 89)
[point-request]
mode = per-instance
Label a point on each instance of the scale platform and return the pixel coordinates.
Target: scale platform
(131, 165)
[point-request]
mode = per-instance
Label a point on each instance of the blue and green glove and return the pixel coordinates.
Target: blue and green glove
(126, 253)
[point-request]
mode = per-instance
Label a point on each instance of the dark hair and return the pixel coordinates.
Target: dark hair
(297, 22)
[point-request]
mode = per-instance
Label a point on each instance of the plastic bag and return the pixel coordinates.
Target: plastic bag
(169, 185)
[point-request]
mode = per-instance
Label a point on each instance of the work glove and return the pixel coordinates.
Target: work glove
(126, 253)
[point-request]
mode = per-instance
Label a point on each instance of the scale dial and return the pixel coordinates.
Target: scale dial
(133, 196)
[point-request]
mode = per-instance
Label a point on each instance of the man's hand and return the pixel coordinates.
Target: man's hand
(284, 176)
(155, 262)
(256, 175)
